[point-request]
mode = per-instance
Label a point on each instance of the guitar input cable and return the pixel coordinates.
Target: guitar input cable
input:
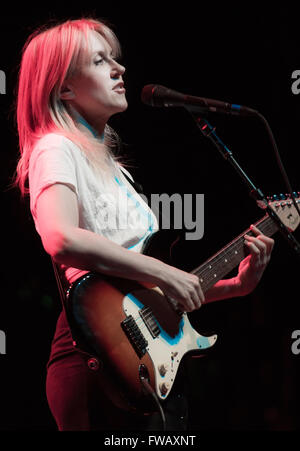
(151, 392)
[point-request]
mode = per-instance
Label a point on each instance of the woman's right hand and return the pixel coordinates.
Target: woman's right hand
(182, 287)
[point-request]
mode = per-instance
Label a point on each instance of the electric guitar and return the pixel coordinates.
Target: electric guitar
(136, 332)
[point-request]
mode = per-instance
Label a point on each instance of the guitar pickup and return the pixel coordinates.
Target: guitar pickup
(150, 322)
(135, 336)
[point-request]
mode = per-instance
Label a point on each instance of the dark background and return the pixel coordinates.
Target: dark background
(241, 55)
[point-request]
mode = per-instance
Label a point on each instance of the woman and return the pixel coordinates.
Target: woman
(70, 84)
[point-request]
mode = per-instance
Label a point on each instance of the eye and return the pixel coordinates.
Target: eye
(99, 61)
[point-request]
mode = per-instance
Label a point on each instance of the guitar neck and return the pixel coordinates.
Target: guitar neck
(220, 264)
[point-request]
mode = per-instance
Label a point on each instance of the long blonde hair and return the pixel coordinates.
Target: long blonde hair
(49, 56)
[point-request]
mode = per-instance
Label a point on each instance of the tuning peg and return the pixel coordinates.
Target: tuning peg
(282, 196)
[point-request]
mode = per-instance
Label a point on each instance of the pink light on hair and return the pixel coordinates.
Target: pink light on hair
(49, 57)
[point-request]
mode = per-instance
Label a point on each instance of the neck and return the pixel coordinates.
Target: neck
(86, 127)
(89, 127)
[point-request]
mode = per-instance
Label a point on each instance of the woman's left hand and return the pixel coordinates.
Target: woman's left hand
(252, 267)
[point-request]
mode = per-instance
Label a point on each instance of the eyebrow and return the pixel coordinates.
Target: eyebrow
(102, 53)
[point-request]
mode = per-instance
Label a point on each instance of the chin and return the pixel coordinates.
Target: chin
(123, 107)
(119, 107)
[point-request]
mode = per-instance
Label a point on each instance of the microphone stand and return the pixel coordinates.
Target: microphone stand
(210, 132)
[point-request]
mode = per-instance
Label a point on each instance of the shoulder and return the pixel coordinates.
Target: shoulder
(52, 160)
(55, 146)
(54, 140)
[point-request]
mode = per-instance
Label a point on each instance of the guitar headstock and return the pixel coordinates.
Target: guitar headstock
(285, 209)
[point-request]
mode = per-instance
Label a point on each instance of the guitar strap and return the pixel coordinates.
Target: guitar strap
(137, 186)
(61, 289)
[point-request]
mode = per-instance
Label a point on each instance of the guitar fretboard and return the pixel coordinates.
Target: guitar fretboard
(220, 264)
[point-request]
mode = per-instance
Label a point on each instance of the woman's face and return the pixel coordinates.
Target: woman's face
(98, 89)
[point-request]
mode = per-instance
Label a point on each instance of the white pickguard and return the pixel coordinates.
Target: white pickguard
(166, 352)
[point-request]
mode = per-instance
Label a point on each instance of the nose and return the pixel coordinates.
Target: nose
(117, 69)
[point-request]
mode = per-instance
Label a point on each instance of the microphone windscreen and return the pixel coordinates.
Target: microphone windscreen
(160, 96)
(148, 94)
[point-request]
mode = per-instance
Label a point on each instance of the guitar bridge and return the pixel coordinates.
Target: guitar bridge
(135, 336)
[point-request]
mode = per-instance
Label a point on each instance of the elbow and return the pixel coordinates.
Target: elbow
(57, 245)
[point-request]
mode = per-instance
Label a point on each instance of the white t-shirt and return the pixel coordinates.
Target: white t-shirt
(111, 208)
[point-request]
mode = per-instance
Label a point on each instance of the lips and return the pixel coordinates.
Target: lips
(119, 88)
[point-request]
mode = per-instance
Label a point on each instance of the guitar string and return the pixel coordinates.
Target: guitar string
(147, 314)
(144, 325)
(226, 252)
(217, 264)
(268, 227)
(231, 247)
(141, 324)
(218, 267)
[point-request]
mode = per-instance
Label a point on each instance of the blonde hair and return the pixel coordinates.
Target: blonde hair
(49, 56)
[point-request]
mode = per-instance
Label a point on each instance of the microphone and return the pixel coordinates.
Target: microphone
(160, 96)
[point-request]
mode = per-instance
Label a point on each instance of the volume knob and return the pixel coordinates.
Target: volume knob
(164, 388)
(163, 368)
